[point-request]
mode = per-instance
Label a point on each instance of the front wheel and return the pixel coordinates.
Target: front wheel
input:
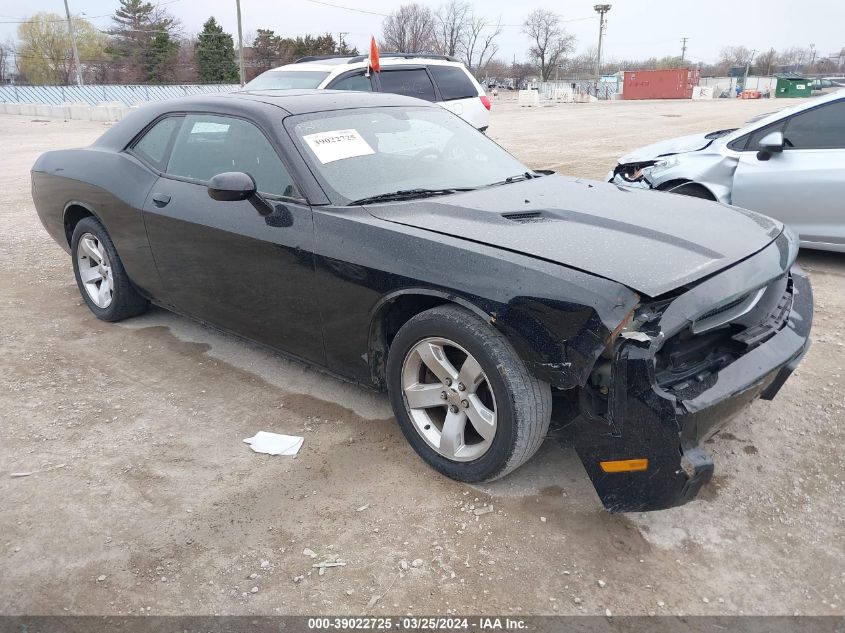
(103, 283)
(464, 399)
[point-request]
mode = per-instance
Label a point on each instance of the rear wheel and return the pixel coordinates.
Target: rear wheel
(102, 281)
(464, 399)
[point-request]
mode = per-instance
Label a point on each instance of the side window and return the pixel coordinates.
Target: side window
(453, 82)
(208, 145)
(411, 83)
(819, 128)
(152, 147)
(754, 138)
(353, 82)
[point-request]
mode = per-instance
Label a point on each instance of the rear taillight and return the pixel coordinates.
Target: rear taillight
(485, 101)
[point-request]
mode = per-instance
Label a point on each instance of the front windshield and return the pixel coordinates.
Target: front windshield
(367, 152)
(287, 80)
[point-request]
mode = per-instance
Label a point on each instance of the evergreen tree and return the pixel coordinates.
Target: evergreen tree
(159, 58)
(216, 54)
(143, 39)
(265, 49)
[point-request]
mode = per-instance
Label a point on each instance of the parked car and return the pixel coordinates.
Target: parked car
(789, 165)
(437, 78)
(828, 83)
(389, 242)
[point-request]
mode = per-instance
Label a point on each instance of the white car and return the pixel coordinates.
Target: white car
(437, 78)
(789, 165)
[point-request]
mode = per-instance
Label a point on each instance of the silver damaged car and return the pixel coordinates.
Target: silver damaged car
(789, 165)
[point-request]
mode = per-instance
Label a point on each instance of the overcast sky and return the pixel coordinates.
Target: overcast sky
(636, 28)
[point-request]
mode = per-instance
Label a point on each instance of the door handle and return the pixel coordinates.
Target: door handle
(161, 199)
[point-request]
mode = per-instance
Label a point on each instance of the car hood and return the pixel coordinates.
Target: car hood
(691, 143)
(649, 241)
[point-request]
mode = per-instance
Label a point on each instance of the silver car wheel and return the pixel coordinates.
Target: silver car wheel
(453, 410)
(95, 270)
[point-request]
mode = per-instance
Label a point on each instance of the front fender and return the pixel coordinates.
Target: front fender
(714, 171)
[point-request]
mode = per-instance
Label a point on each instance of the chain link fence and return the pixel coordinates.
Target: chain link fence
(96, 94)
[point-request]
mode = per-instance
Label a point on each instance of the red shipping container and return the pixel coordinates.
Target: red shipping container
(674, 83)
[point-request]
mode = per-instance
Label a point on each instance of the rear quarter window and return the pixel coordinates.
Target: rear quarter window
(413, 82)
(154, 143)
(453, 82)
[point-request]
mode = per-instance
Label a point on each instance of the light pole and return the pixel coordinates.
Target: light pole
(601, 9)
(73, 45)
(240, 45)
(747, 68)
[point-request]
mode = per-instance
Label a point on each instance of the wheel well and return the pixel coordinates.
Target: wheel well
(687, 187)
(73, 214)
(386, 324)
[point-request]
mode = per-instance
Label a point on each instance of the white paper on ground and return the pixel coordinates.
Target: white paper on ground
(337, 145)
(275, 443)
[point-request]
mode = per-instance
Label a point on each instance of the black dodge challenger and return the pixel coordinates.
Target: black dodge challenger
(387, 241)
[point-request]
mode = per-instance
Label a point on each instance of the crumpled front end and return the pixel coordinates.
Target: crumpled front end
(690, 365)
(673, 167)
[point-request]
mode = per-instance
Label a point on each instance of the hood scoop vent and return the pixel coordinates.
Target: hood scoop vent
(525, 217)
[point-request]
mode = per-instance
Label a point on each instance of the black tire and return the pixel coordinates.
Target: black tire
(126, 300)
(523, 402)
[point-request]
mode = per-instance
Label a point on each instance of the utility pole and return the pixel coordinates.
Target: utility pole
(748, 67)
(240, 44)
(340, 44)
(601, 9)
(683, 49)
(73, 44)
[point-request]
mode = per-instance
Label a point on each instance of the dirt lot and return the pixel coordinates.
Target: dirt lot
(142, 497)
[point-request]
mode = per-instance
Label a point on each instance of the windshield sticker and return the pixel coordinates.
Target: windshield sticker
(337, 145)
(208, 127)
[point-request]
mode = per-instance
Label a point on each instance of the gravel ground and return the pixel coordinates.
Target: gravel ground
(141, 497)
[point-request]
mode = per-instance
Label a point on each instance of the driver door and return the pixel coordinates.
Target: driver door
(803, 186)
(223, 262)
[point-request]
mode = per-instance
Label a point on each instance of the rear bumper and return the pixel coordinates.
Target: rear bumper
(645, 421)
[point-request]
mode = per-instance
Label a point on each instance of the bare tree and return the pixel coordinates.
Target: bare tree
(520, 73)
(550, 42)
(793, 56)
(409, 29)
(735, 55)
(496, 69)
(450, 28)
(765, 62)
(480, 44)
(584, 64)
(5, 55)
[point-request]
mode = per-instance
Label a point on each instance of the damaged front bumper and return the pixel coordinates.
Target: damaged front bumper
(631, 175)
(665, 420)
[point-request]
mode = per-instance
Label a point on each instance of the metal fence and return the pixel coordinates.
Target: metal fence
(556, 90)
(92, 95)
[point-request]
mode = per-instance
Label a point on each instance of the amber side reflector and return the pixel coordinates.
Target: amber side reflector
(624, 465)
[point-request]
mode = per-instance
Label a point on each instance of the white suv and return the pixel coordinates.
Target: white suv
(436, 78)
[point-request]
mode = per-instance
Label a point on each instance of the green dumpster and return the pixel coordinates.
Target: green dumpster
(793, 87)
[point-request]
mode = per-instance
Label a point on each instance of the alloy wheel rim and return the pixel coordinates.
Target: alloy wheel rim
(95, 270)
(449, 399)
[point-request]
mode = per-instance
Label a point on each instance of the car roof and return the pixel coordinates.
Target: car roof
(340, 64)
(256, 104)
(313, 100)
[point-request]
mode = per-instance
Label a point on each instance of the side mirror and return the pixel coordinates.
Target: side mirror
(770, 144)
(231, 186)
